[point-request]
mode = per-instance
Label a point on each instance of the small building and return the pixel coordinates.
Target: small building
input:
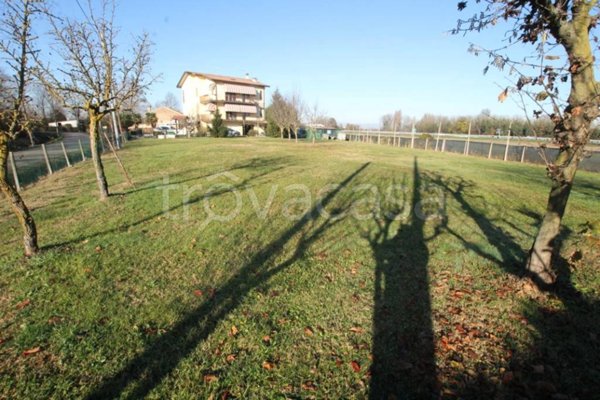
(321, 132)
(240, 101)
(166, 116)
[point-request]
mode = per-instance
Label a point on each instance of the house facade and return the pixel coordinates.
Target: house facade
(240, 101)
(168, 117)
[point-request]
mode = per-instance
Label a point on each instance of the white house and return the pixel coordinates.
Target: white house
(240, 101)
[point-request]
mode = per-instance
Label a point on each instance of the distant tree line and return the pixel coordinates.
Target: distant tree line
(484, 123)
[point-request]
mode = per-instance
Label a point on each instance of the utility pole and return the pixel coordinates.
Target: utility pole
(116, 129)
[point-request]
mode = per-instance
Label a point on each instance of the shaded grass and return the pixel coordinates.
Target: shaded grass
(128, 300)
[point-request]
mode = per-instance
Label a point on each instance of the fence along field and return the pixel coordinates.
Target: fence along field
(27, 166)
(498, 148)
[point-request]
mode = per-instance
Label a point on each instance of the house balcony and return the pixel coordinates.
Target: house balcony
(207, 99)
(240, 101)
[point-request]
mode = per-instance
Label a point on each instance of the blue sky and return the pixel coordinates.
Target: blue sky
(356, 59)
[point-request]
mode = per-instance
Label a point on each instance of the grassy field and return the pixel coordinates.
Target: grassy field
(251, 268)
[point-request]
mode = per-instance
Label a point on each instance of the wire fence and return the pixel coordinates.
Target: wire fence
(502, 148)
(28, 166)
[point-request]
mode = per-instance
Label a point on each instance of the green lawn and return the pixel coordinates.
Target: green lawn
(314, 287)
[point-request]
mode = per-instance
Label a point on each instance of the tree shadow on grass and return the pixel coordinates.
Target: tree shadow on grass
(564, 358)
(252, 164)
(161, 356)
(195, 196)
(403, 343)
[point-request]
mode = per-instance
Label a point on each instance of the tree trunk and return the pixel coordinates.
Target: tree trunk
(97, 160)
(539, 263)
(17, 204)
(281, 132)
(572, 133)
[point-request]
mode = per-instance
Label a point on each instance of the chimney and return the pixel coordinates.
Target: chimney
(247, 75)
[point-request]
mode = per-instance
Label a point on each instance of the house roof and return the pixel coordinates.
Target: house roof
(174, 114)
(172, 110)
(221, 78)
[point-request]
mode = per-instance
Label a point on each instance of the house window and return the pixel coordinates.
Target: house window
(229, 96)
(258, 94)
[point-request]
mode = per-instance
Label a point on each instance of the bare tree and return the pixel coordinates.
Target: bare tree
(94, 77)
(314, 116)
(392, 122)
(563, 36)
(16, 47)
(170, 101)
(296, 111)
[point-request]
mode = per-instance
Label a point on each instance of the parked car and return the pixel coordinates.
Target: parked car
(164, 130)
(233, 132)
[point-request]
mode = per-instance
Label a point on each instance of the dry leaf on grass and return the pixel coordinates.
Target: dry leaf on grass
(267, 365)
(32, 351)
(210, 378)
(23, 304)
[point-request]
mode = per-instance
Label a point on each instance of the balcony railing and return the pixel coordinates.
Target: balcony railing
(207, 99)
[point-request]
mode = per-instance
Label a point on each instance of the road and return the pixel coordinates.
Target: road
(34, 156)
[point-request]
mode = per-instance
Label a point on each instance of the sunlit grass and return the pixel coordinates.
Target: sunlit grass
(141, 295)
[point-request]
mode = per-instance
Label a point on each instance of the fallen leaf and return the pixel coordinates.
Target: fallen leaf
(23, 304)
(32, 351)
(210, 378)
(98, 249)
(234, 330)
(356, 329)
(288, 388)
(198, 293)
(308, 331)
(226, 395)
(309, 385)
(267, 365)
(266, 339)
(355, 365)
(230, 358)
(507, 378)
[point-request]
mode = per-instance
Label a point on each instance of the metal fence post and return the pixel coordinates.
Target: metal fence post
(443, 145)
(48, 166)
(468, 144)
(82, 152)
(523, 153)
(508, 141)
(437, 138)
(491, 147)
(11, 157)
(426, 143)
(62, 144)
